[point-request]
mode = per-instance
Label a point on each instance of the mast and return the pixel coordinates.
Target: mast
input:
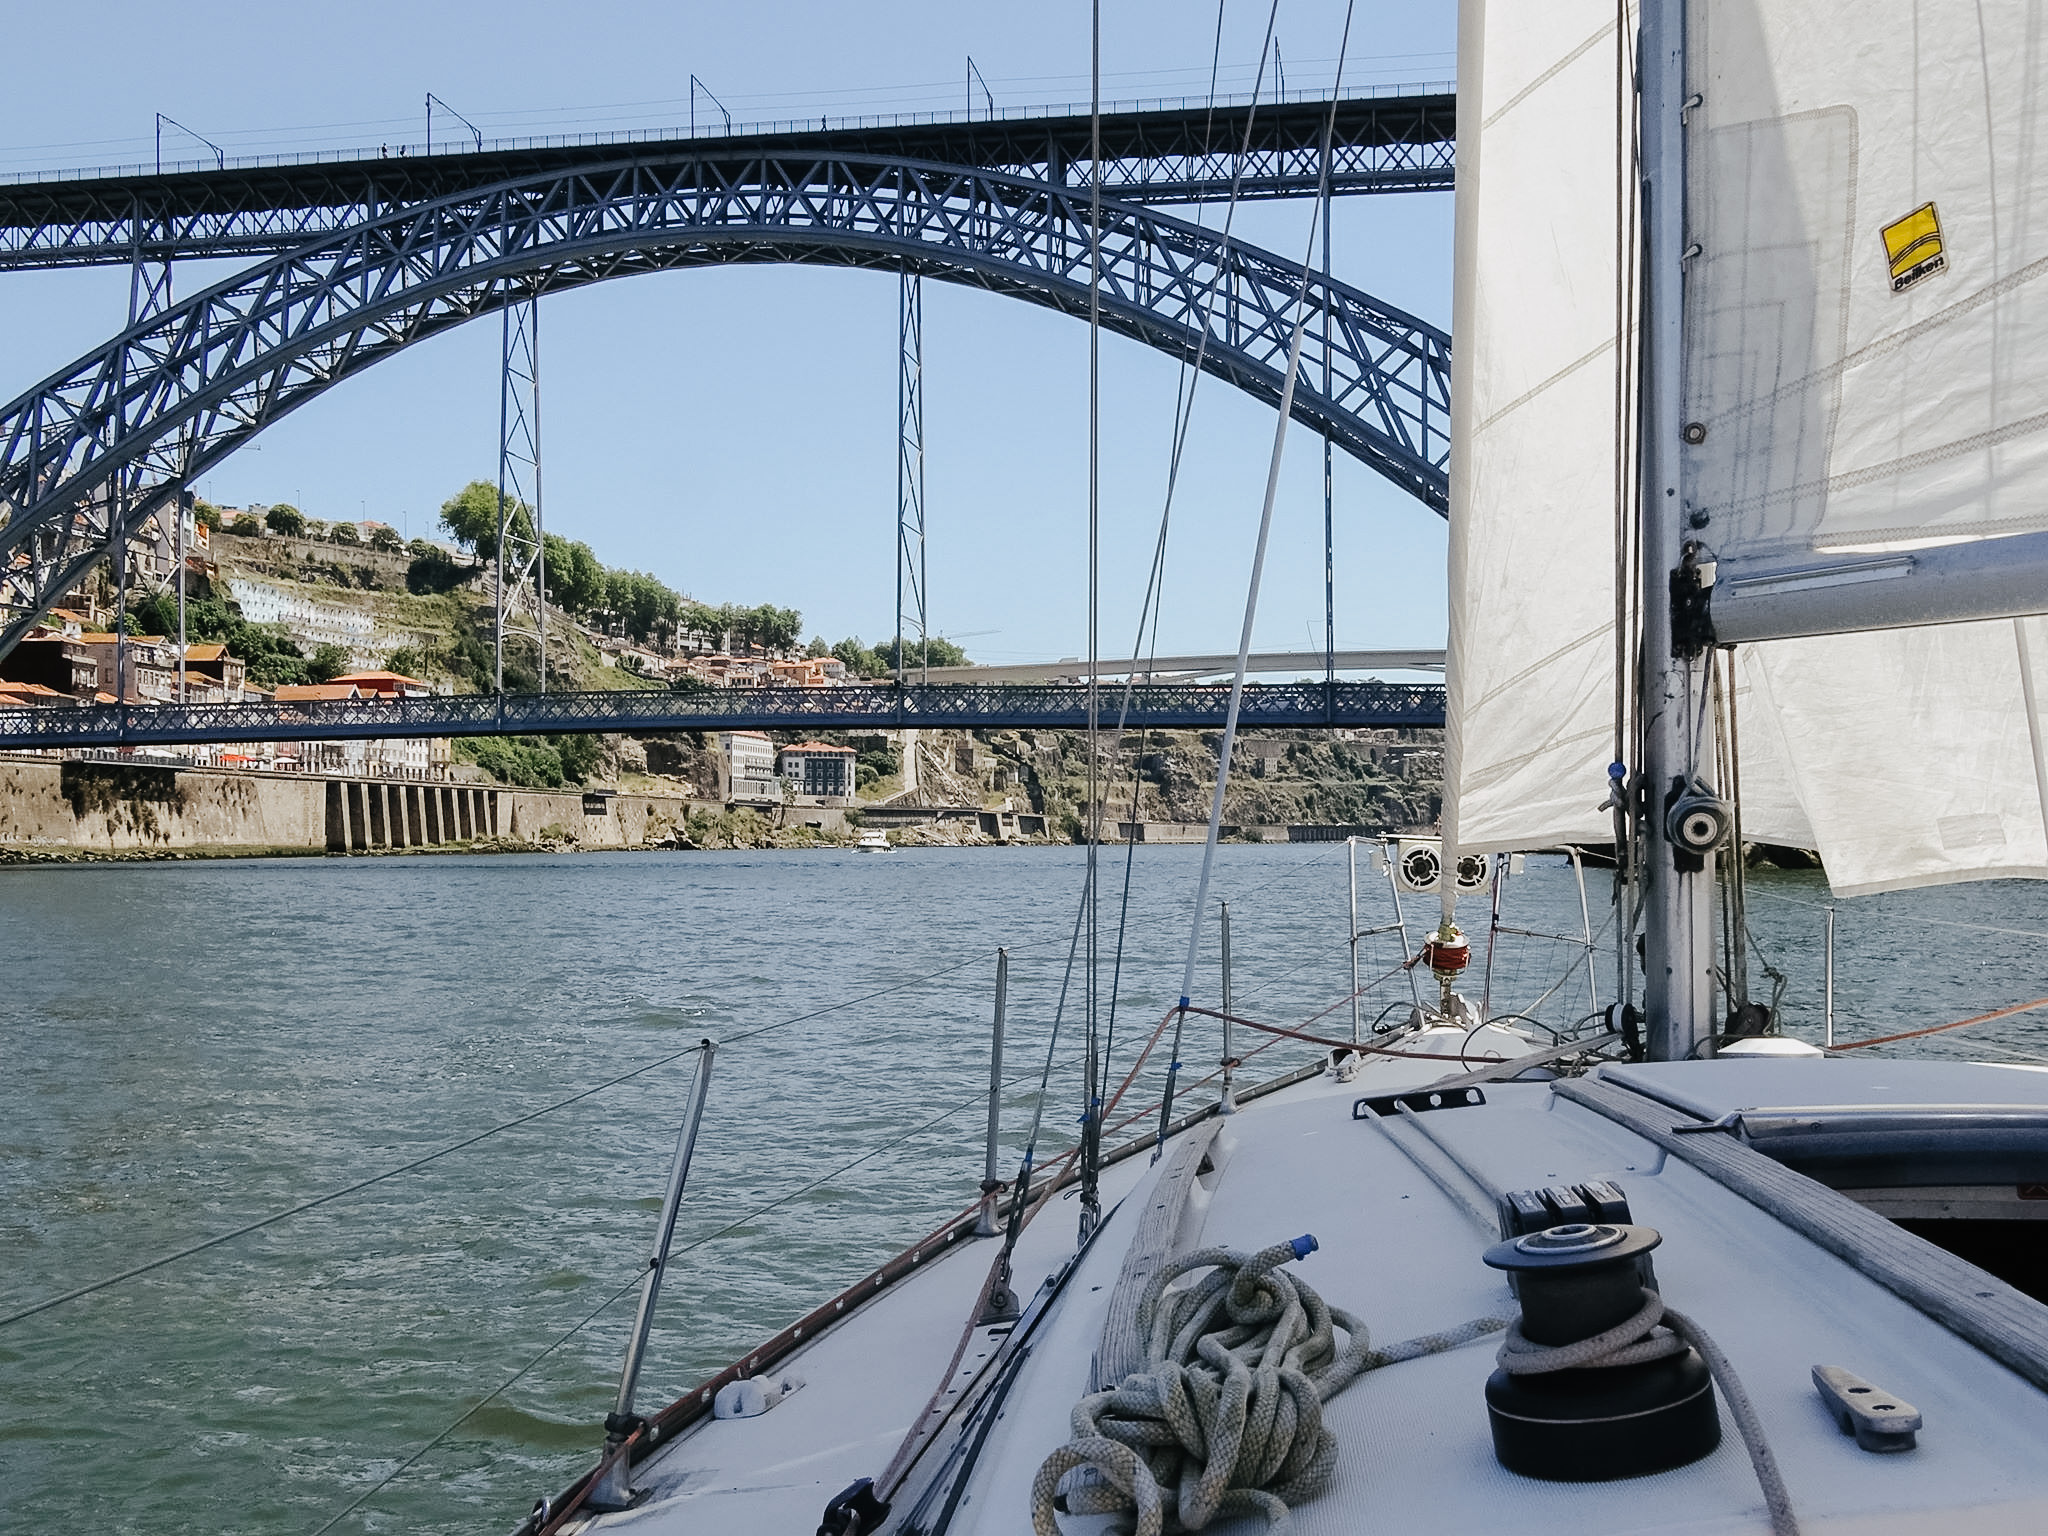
(1677, 747)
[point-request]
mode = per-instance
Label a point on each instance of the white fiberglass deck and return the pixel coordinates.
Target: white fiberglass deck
(1401, 1252)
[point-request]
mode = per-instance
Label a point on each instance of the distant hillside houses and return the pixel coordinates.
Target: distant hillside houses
(312, 624)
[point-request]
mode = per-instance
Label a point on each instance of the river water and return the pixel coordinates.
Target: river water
(191, 1046)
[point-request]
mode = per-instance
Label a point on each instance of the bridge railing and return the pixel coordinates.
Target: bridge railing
(825, 123)
(959, 706)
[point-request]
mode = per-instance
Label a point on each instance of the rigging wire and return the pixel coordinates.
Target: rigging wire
(1091, 1106)
(590, 1317)
(1301, 316)
(193, 1249)
(1154, 600)
(1184, 405)
(1625, 176)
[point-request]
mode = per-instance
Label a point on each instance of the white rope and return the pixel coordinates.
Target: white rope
(1226, 1417)
(1655, 1333)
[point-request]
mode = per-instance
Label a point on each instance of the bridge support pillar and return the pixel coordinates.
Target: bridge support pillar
(337, 816)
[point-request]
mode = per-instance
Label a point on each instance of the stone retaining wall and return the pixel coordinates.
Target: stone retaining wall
(100, 807)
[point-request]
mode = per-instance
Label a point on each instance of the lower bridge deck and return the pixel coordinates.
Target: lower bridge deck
(916, 706)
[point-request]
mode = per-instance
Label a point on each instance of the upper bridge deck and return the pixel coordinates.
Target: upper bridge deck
(1382, 139)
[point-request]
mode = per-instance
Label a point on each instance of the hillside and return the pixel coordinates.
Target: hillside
(370, 601)
(440, 637)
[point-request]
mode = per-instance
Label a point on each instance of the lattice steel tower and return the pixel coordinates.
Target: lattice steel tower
(521, 608)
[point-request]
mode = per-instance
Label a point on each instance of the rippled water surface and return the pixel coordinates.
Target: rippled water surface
(188, 1047)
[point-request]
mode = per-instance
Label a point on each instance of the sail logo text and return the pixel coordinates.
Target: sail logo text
(1913, 247)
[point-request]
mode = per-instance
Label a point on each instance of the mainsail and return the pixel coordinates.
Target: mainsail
(1866, 379)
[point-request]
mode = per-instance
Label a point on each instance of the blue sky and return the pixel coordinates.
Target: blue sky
(733, 430)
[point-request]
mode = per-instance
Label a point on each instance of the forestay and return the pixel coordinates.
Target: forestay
(1861, 387)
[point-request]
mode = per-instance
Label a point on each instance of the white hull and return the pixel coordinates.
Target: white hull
(1402, 1210)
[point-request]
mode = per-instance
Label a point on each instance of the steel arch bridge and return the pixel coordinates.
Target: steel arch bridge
(111, 438)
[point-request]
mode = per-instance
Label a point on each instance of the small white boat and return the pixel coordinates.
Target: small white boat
(872, 840)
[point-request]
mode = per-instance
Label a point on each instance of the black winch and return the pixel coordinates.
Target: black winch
(1590, 1416)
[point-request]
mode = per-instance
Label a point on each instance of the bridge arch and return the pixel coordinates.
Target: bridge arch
(161, 403)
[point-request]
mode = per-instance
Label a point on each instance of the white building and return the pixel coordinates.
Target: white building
(310, 623)
(747, 765)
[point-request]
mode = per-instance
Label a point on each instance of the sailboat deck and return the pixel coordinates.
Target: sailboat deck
(1400, 1248)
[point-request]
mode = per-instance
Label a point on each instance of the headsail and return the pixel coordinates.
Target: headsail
(1530, 665)
(1834, 419)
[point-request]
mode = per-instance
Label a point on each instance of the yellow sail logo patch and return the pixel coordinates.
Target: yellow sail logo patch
(1913, 247)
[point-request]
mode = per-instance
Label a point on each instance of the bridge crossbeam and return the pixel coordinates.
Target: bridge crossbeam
(1399, 142)
(928, 706)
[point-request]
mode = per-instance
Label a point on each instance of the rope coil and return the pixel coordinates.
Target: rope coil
(1226, 1417)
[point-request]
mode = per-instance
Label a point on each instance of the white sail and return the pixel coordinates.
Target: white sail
(1867, 302)
(1867, 374)
(1907, 757)
(1530, 665)
(1535, 439)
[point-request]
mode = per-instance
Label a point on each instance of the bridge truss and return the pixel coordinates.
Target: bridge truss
(1381, 140)
(915, 706)
(179, 391)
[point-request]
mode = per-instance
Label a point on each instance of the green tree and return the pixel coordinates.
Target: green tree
(385, 537)
(328, 662)
(471, 516)
(578, 755)
(776, 628)
(527, 761)
(246, 525)
(860, 660)
(435, 572)
(643, 606)
(817, 649)
(408, 660)
(346, 533)
(286, 520)
(704, 621)
(938, 651)
(576, 581)
(206, 513)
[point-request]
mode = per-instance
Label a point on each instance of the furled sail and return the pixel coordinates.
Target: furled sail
(1840, 425)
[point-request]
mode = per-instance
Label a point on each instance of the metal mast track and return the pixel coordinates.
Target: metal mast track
(926, 706)
(178, 392)
(1400, 140)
